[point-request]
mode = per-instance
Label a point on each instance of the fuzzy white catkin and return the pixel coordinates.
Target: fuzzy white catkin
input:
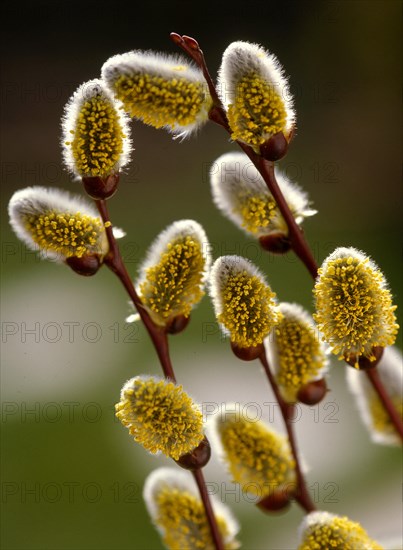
(38, 200)
(390, 371)
(235, 181)
(70, 127)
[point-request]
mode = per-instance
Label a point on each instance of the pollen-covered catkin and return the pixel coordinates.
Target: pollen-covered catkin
(370, 407)
(56, 223)
(354, 309)
(244, 303)
(162, 91)
(295, 351)
(320, 530)
(255, 92)
(258, 458)
(178, 513)
(160, 416)
(173, 274)
(241, 194)
(96, 139)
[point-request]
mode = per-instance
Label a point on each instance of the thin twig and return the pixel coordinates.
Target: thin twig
(159, 338)
(201, 484)
(116, 264)
(302, 495)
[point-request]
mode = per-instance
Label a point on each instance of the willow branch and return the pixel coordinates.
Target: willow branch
(201, 484)
(159, 338)
(302, 495)
(116, 264)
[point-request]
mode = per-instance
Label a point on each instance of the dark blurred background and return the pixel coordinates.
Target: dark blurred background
(71, 476)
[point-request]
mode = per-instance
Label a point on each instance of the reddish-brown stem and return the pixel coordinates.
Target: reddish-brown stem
(394, 416)
(201, 484)
(266, 169)
(302, 495)
(115, 263)
(159, 338)
(191, 47)
(298, 242)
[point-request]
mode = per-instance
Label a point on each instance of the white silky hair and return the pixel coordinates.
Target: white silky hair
(84, 92)
(233, 175)
(182, 481)
(390, 371)
(243, 58)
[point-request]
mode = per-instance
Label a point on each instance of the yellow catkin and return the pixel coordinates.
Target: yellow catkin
(249, 311)
(354, 310)
(67, 234)
(183, 520)
(97, 138)
(258, 459)
(299, 355)
(161, 417)
(257, 212)
(339, 534)
(379, 417)
(173, 286)
(257, 112)
(161, 101)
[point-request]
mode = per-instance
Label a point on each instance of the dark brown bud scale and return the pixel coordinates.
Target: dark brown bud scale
(247, 354)
(313, 392)
(101, 188)
(277, 501)
(87, 265)
(364, 363)
(275, 148)
(277, 243)
(177, 324)
(197, 458)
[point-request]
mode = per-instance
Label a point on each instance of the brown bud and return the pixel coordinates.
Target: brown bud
(191, 42)
(86, 265)
(277, 501)
(275, 148)
(197, 458)
(101, 188)
(247, 354)
(277, 243)
(363, 363)
(177, 324)
(313, 392)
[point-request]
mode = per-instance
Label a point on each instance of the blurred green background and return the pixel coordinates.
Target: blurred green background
(71, 476)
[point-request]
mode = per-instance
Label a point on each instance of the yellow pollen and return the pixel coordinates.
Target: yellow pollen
(339, 534)
(67, 234)
(159, 101)
(183, 520)
(380, 419)
(258, 459)
(354, 310)
(300, 356)
(257, 212)
(161, 417)
(258, 111)
(97, 142)
(249, 310)
(173, 285)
